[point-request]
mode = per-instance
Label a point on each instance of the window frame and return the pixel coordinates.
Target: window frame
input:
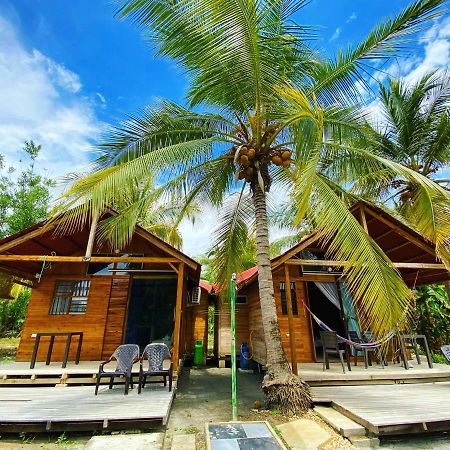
(63, 298)
(283, 298)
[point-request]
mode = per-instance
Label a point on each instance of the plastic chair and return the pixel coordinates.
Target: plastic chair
(330, 346)
(446, 352)
(353, 335)
(125, 355)
(155, 354)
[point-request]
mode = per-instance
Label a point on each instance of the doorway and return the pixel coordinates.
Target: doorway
(151, 311)
(326, 311)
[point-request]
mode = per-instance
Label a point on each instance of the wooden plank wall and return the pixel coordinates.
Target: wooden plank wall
(116, 315)
(196, 324)
(302, 326)
(92, 323)
(223, 323)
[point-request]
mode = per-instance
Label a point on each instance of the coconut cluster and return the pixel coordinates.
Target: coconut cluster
(248, 161)
(282, 157)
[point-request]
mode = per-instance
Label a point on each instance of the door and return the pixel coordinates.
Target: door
(151, 311)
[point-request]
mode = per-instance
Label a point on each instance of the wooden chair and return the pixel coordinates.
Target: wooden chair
(125, 355)
(155, 354)
(330, 346)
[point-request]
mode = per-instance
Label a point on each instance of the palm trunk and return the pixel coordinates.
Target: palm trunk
(282, 388)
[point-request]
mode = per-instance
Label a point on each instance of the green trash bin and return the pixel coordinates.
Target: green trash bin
(198, 353)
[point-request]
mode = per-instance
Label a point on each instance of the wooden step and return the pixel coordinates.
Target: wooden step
(341, 423)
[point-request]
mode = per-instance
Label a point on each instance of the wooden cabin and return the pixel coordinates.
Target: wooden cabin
(305, 270)
(140, 294)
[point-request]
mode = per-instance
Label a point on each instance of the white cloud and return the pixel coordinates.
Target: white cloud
(435, 56)
(351, 18)
(41, 99)
(198, 237)
(336, 34)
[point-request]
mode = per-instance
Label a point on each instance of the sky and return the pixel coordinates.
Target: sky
(71, 69)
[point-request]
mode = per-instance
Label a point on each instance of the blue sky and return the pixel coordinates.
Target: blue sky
(68, 69)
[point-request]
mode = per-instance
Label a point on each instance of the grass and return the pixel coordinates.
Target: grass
(9, 342)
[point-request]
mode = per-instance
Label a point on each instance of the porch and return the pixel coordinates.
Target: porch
(76, 408)
(313, 374)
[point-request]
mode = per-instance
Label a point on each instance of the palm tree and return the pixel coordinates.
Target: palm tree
(278, 114)
(415, 132)
(163, 219)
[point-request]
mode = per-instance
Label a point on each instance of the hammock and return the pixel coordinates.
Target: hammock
(361, 345)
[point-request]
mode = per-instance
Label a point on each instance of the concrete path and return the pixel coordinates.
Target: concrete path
(144, 441)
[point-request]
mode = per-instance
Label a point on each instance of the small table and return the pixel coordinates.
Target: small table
(50, 347)
(413, 338)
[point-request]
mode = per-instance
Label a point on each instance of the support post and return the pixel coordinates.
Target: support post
(90, 244)
(233, 347)
(177, 327)
(344, 322)
(290, 319)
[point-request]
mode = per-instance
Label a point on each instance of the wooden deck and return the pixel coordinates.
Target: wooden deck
(19, 373)
(77, 408)
(313, 374)
(392, 409)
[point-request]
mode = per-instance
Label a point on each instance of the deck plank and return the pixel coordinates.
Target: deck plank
(79, 404)
(391, 406)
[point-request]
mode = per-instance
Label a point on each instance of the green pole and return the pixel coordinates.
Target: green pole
(233, 347)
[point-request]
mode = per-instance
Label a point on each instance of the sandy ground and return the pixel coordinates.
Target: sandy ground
(204, 396)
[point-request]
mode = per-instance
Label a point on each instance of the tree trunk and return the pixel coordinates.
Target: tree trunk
(282, 388)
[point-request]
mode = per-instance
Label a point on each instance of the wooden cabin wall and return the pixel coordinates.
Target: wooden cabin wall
(195, 319)
(103, 322)
(302, 324)
(223, 324)
(92, 323)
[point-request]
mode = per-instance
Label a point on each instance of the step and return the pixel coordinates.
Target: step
(183, 442)
(142, 441)
(344, 425)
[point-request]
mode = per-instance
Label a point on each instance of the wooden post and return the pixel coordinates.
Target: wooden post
(290, 319)
(90, 244)
(177, 327)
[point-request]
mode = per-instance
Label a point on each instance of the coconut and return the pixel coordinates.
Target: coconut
(244, 150)
(287, 163)
(277, 160)
(244, 160)
(251, 153)
(286, 155)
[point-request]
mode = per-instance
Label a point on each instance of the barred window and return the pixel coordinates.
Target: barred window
(284, 299)
(70, 297)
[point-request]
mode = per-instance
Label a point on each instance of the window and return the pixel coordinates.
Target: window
(70, 297)
(284, 299)
(241, 300)
(111, 268)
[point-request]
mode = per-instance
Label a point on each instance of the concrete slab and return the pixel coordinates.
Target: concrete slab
(144, 441)
(342, 424)
(304, 434)
(183, 442)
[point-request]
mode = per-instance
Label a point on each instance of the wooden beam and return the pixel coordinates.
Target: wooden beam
(178, 311)
(287, 290)
(94, 259)
(17, 272)
(408, 235)
(362, 216)
(25, 237)
(397, 247)
(333, 263)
